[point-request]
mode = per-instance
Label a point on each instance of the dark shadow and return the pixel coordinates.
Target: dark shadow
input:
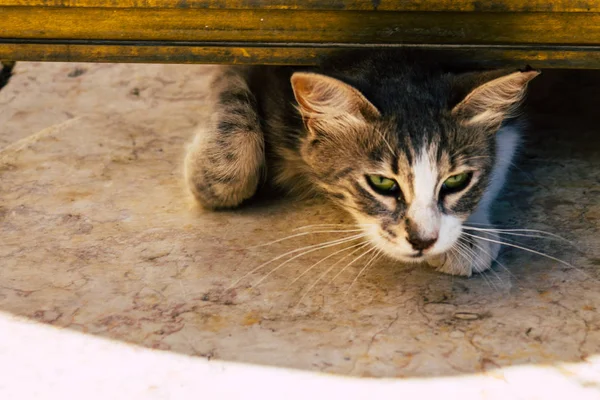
(6, 68)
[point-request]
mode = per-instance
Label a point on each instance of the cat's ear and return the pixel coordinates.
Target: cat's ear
(326, 102)
(493, 97)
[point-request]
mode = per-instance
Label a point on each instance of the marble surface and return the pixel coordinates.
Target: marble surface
(98, 236)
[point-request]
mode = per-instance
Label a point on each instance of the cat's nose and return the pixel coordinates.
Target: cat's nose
(417, 239)
(419, 243)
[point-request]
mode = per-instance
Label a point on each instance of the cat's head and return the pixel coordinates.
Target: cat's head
(414, 168)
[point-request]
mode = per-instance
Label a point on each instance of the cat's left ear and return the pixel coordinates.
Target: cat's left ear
(326, 102)
(495, 97)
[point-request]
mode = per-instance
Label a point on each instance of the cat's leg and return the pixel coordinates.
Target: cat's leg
(224, 163)
(477, 254)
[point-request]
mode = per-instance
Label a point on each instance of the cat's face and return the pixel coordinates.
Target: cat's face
(409, 181)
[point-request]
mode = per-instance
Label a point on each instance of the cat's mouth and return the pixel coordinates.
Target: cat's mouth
(416, 257)
(400, 251)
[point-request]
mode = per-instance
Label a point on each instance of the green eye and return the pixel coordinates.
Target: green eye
(457, 182)
(383, 185)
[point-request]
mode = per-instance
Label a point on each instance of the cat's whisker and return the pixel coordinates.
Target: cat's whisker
(496, 226)
(512, 164)
(375, 257)
(463, 148)
(529, 235)
(480, 258)
(463, 249)
(486, 278)
(323, 259)
(535, 233)
(456, 252)
(385, 141)
(329, 226)
(320, 247)
(529, 250)
(498, 158)
(495, 259)
(472, 257)
(316, 282)
(304, 234)
(337, 241)
(479, 223)
(350, 264)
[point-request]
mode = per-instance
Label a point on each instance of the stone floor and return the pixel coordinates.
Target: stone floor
(97, 235)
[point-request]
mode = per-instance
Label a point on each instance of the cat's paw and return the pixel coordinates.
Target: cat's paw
(222, 176)
(473, 255)
(217, 193)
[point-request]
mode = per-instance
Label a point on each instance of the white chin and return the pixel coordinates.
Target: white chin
(405, 256)
(414, 260)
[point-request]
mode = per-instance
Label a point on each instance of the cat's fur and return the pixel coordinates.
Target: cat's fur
(324, 130)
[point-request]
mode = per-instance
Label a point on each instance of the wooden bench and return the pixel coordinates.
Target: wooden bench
(544, 33)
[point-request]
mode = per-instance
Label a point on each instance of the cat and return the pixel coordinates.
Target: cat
(413, 151)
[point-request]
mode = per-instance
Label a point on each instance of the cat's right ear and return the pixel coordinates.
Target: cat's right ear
(327, 103)
(491, 96)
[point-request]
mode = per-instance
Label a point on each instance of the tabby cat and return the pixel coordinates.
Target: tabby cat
(413, 151)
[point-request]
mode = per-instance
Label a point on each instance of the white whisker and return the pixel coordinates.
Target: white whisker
(330, 226)
(350, 263)
(511, 163)
(470, 260)
(478, 223)
(527, 249)
(495, 259)
(375, 257)
(303, 234)
(323, 259)
(516, 232)
(462, 149)
(321, 247)
(480, 258)
(386, 141)
(364, 244)
(457, 253)
(473, 257)
(337, 241)
(462, 249)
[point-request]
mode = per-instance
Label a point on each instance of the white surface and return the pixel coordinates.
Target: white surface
(42, 362)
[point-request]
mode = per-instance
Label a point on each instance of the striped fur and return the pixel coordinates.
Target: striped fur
(323, 131)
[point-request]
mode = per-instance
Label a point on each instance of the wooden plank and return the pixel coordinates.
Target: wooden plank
(383, 5)
(561, 33)
(285, 26)
(493, 56)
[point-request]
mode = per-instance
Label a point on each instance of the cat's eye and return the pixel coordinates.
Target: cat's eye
(456, 183)
(383, 185)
